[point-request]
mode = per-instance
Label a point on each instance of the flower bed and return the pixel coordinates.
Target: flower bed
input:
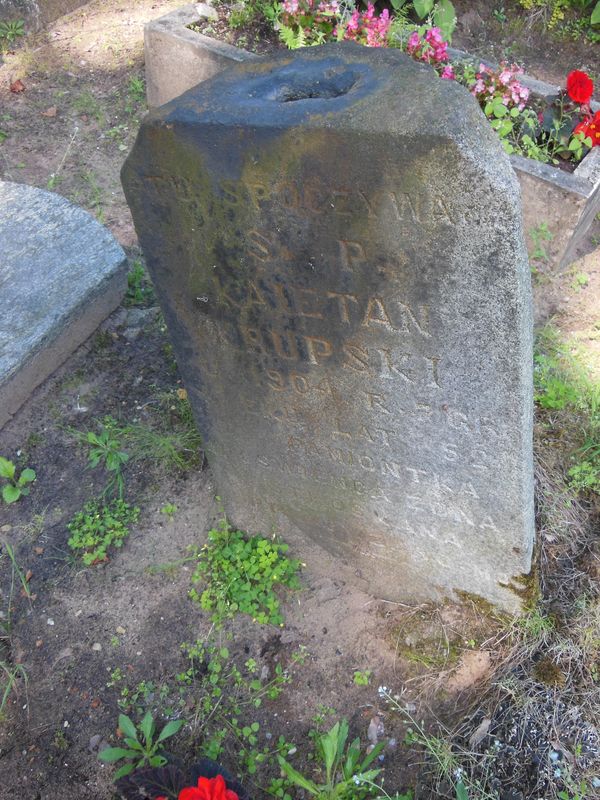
(558, 205)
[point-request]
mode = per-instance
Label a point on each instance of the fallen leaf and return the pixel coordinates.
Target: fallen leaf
(38, 550)
(28, 575)
(39, 642)
(95, 702)
(480, 733)
(182, 394)
(50, 112)
(17, 86)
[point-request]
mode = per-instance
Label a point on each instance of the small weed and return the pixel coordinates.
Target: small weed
(95, 195)
(9, 676)
(140, 291)
(540, 235)
(136, 89)
(347, 772)
(580, 281)
(241, 573)
(10, 31)
(99, 527)
(87, 105)
(562, 385)
(3, 135)
(106, 450)
(55, 177)
(60, 741)
(362, 678)
(169, 510)
(118, 134)
(16, 486)
(143, 745)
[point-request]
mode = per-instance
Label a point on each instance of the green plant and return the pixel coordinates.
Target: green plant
(442, 15)
(100, 526)
(94, 199)
(105, 448)
(143, 746)
(15, 487)
(169, 509)
(87, 105)
(241, 573)
(9, 32)
(9, 675)
(347, 774)
(539, 235)
(136, 89)
(561, 384)
(362, 678)
(580, 281)
(140, 291)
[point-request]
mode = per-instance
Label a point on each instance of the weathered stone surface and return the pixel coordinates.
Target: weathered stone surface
(336, 240)
(61, 274)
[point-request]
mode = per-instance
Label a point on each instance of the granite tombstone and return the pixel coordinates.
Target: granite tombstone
(335, 237)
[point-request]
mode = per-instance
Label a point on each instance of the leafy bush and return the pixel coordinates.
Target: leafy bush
(241, 574)
(99, 527)
(15, 486)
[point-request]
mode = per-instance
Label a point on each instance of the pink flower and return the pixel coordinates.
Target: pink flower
(447, 73)
(414, 40)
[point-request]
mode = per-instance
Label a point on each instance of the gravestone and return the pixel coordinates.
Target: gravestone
(335, 237)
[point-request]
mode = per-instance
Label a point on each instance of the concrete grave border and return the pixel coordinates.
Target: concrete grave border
(178, 58)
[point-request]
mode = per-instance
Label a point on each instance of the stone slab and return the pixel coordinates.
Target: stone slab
(335, 236)
(61, 275)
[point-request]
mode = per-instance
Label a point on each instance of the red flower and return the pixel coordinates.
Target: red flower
(590, 127)
(208, 789)
(580, 87)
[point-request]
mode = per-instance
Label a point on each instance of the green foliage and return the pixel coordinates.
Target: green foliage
(362, 678)
(561, 385)
(116, 444)
(143, 745)
(347, 775)
(225, 697)
(553, 12)
(99, 527)
(441, 14)
(17, 485)
(169, 509)
(9, 32)
(140, 291)
(136, 89)
(241, 573)
(9, 675)
(539, 235)
(105, 449)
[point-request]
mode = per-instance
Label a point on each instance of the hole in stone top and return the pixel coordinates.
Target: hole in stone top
(323, 86)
